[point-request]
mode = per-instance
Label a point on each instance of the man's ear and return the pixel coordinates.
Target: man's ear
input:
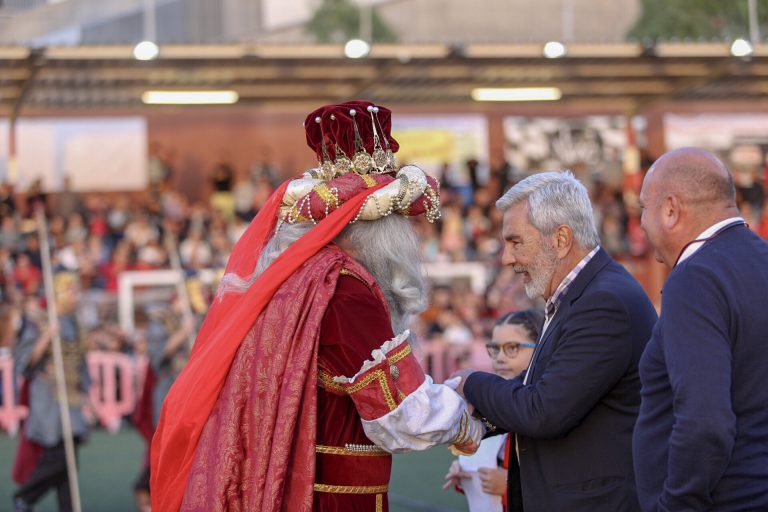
(670, 213)
(563, 240)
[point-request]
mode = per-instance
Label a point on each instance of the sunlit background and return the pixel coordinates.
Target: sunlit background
(133, 119)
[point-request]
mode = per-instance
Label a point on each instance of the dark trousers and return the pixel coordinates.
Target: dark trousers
(50, 472)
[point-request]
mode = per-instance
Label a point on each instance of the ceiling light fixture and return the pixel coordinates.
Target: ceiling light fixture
(516, 94)
(189, 97)
(146, 50)
(741, 48)
(554, 50)
(356, 48)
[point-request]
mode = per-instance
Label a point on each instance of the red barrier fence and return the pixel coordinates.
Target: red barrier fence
(11, 413)
(117, 380)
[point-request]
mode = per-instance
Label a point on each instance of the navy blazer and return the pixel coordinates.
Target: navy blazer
(574, 418)
(701, 441)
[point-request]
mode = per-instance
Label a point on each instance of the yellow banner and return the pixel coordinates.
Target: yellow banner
(426, 146)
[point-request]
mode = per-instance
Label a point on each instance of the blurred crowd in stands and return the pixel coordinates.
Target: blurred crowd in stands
(98, 236)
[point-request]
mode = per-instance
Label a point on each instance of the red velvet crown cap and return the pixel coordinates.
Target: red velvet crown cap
(337, 127)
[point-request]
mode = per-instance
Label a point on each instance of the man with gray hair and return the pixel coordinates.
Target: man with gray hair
(574, 409)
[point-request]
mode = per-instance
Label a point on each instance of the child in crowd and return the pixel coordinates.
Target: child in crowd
(511, 347)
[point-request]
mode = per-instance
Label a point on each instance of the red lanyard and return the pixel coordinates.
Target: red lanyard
(706, 239)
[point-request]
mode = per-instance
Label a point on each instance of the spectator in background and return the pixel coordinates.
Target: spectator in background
(140, 232)
(159, 172)
(194, 251)
(243, 196)
(511, 347)
(43, 426)
(701, 437)
(9, 233)
(7, 200)
(77, 230)
(264, 170)
(32, 249)
(473, 172)
(36, 198)
(222, 181)
(25, 276)
(110, 271)
(67, 202)
(167, 336)
(118, 217)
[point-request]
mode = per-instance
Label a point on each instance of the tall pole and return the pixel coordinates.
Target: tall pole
(366, 22)
(13, 162)
(150, 21)
(181, 287)
(754, 27)
(568, 21)
(33, 64)
(58, 362)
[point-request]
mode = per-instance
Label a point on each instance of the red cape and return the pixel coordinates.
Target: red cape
(191, 399)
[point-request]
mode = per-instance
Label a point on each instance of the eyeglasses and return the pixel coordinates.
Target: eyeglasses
(510, 349)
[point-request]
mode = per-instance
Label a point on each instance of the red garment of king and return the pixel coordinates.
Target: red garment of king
(302, 382)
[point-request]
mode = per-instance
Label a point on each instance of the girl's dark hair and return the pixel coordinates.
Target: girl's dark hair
(531, 319)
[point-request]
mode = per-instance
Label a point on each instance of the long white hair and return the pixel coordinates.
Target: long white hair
(388, 248)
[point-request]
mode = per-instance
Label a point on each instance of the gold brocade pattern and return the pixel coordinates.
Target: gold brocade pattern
(369, 181)
(352, 489)
(338, 450)
(379, 503)
(330, 200)
(250, 450)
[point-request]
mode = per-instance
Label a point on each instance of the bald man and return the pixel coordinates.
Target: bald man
(701, 439)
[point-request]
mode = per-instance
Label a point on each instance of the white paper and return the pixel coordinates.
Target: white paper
(486, 456)
(478, 500)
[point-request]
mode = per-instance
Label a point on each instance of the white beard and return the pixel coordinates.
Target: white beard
(540, 271)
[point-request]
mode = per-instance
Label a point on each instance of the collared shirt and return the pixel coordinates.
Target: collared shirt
(553, 302)
(705, 235)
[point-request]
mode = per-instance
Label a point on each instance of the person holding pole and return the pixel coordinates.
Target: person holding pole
(33, 356)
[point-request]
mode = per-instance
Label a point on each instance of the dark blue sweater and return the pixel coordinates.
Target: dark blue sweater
(701, 439)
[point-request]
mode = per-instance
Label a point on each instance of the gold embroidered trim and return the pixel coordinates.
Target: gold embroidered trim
(394, 358)
(463, 434)
(347, 272)
(326, 381)
(330, 200)
(369, 182)
(369, 451)
(352, 489)
(379, 503)
(382, 378)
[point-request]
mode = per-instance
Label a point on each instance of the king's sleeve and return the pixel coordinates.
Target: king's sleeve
(400, 407)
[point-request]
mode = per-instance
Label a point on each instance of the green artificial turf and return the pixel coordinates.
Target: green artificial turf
(109, 464)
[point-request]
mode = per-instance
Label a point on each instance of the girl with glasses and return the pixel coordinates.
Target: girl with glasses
(511, 347)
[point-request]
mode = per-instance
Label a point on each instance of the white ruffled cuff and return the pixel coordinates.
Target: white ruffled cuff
(427, 417)
(377, 356)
